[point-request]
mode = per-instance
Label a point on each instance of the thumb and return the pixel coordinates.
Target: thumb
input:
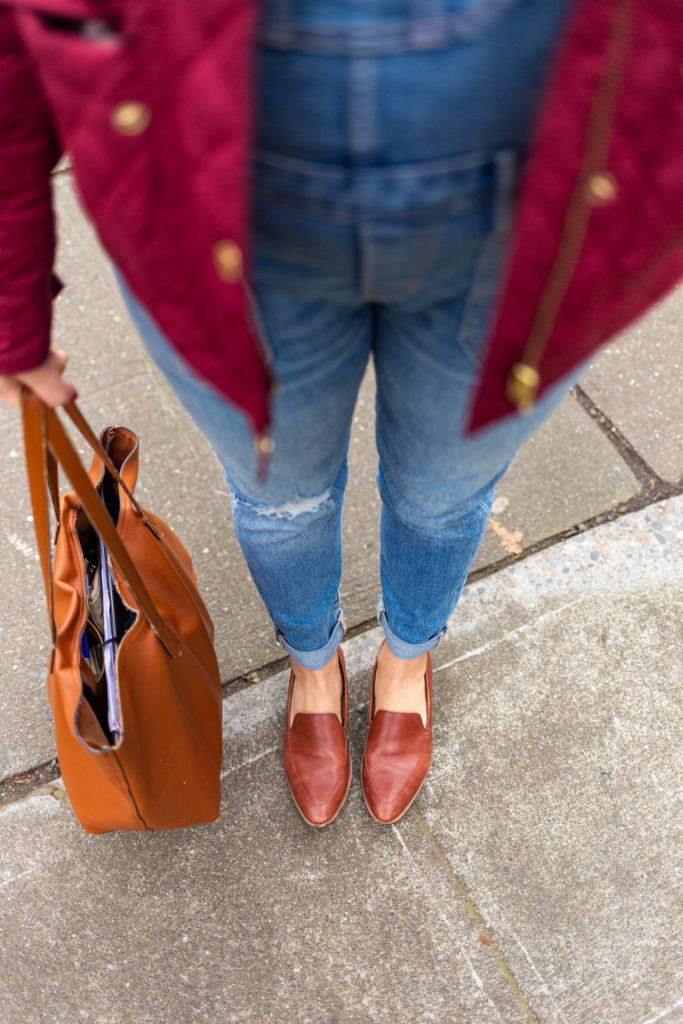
(48, 384)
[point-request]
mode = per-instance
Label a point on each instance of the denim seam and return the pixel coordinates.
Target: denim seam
(259, 326)
(423, 260)
(381, 610)
(361, 108)
(330, 211)
(472, 304)
(478, 304)
(366, 256)
(402, 291)
(377, 37)
(436, 167)
(282, 641)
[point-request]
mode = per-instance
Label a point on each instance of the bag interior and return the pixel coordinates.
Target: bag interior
(92, 714)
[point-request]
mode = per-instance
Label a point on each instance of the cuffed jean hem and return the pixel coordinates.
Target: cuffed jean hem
(401, 648)
(320, 657)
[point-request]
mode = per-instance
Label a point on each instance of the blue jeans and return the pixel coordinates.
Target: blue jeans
(385, 168)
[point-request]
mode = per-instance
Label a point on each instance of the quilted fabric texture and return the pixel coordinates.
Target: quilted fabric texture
(162, 198)
(632, 251)
(28, 152)
(168, 194)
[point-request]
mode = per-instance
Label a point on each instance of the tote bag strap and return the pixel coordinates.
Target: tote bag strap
(43, 433)
(84, 428)
(39, 478)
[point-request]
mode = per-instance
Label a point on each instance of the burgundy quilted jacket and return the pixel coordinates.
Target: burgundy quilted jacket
(152, 103)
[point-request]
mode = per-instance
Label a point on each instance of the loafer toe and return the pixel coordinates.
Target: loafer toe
(317, 766)
(398, 750)
(316, 759)
(395, 764)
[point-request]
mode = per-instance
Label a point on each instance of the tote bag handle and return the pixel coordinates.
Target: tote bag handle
(47, 444)
(80, 422)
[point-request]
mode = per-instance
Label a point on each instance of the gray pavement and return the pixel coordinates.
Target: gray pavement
(539, 876)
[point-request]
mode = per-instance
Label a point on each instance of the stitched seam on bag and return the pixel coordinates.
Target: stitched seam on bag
(130, 792)
(74, 543)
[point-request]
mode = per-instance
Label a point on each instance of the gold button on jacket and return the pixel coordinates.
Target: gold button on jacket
(521, 386)
(227, 257)
(130, 118)
(601, 188)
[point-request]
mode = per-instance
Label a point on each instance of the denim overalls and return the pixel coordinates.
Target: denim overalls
(389, 140)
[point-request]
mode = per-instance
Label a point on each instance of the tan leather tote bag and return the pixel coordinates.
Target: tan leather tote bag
(138, 727)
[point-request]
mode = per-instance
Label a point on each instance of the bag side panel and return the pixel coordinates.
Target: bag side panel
(94, 783)
(172, 707)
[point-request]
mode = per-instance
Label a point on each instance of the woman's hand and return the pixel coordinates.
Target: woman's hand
(47, 381)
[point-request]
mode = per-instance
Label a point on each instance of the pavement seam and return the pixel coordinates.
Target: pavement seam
(641, 469)
(476, 918)
(33, 779)
(533, 624)
(644, 499)
(665, 1013)
(439, 909)
(248, 679)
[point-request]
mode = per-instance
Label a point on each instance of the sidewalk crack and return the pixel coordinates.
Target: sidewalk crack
(21, 786)
(476, 918)
(642, 471)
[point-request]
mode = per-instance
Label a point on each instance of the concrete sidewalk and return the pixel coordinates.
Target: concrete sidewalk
(539, 876)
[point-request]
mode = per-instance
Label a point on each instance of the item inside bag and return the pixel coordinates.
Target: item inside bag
(107, 622)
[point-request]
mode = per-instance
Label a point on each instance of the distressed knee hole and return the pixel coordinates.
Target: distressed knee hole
(289, 509)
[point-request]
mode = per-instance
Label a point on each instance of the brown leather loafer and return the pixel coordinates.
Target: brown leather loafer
(317, 760)
(398, 750)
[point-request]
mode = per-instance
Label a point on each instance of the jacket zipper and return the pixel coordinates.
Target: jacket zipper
(594, 187)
